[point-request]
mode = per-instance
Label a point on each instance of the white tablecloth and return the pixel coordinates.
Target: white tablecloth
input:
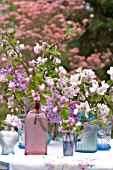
(101, 160)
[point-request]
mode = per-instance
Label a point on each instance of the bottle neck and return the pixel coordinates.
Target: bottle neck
(37, 106)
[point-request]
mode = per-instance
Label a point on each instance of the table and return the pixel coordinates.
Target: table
(101, 160)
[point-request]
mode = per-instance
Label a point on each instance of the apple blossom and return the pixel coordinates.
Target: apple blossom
(102, 89)
(110, 72)
(41, 87)
(36, 49)
(49, 81)
(22, 46)
(12, 121)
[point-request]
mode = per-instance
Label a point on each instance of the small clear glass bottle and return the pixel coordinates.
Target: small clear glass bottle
(68, 141)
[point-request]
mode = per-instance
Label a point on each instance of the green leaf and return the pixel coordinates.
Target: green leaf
(9, 93)
(99, 97)
(48, 93)
(43, 100)
(54, 53)
(87, 83)
(64, 114)
(13, 33)
(14, 65)
(39, 74)
(94, 97)
(4, 27)
(109, 114)
(82, 90)
(8, 48)
(50, 63)
(4, 86)
(70, 31)
(7, 63)
(12, 41)
(109, 82)
(10, 77)
(103, 127)
(43, 67)
(56, 102)
(32, 85)
(95, 121)
(16, 59)
(36, 78)
(18, 96)
(66, 105)
(107, 97)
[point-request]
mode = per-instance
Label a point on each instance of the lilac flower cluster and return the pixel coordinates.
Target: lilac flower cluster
(19, 80)
(53, 112)
(52, 117)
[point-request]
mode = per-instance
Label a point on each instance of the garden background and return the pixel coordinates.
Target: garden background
(46, 20)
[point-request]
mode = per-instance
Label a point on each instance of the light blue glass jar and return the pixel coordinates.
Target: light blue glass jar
(87, 141)
(104, 136)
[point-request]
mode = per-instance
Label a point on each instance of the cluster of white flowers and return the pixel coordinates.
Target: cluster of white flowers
(83, 86)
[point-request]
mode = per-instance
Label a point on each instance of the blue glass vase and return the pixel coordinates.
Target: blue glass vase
(104, 136)
(68, 140)
(21, 143)
(87, 141)
(48, 138)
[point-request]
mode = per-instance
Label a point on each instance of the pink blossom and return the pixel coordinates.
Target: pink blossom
(27, 79)
(49, 81)
(64, 99)
(36, 49)
(4, 59)
(44, 44)
(1, 99)
(31, 63)
(11, 86)
(41, 87)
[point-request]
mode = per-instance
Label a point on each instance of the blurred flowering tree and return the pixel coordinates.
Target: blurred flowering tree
(40, 20)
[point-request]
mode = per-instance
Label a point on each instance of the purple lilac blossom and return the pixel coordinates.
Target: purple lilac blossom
(19, 77)
(55, 117)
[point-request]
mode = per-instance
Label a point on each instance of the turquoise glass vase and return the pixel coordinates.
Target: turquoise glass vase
(48, 138)
(87, 141)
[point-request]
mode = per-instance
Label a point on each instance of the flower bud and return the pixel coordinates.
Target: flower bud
(44, 44)
(22, 46)
(4, 59)
(55, 109)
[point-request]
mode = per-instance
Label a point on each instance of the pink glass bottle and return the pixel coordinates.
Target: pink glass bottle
(36, 130)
